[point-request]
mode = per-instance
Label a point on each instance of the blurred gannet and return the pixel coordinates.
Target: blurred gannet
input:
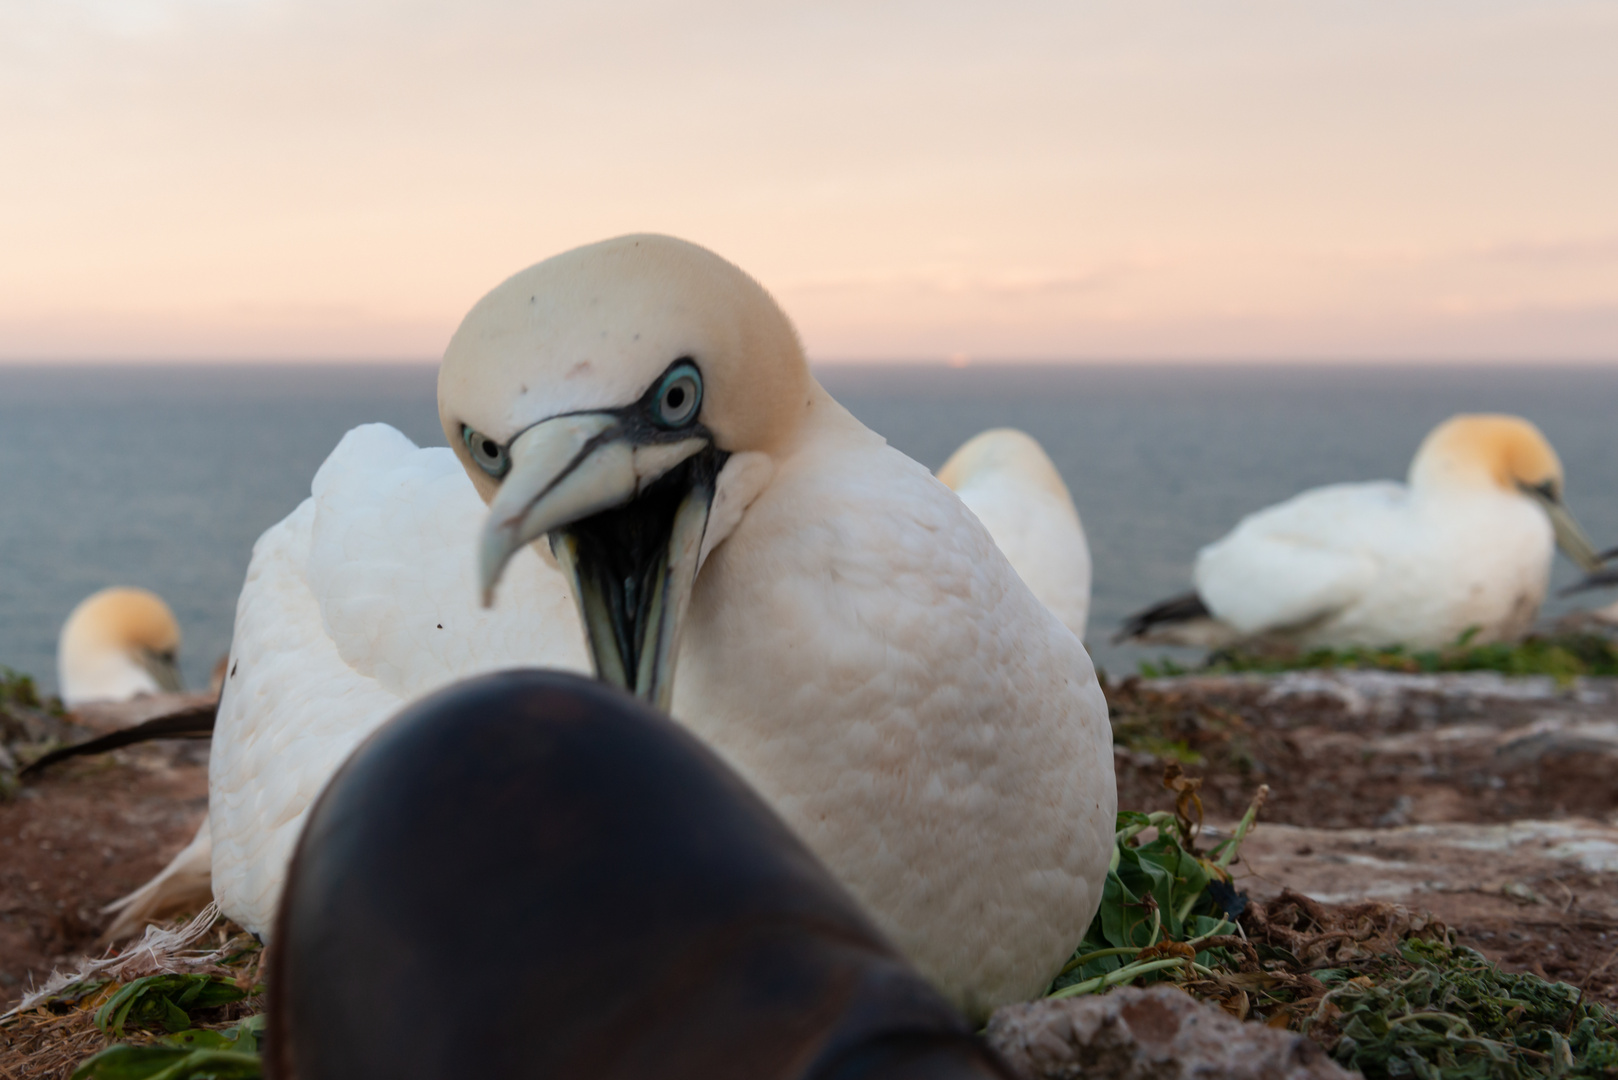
(848, 636)
(360, 601)
(118, 643)
(1466, 544)
(1005, 477)
(666, 922)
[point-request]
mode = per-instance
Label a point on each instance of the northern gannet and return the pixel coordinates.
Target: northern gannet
(360, 601)
(1466, 544)
(848, 636)
(664, 920)
(116, 644)
(1005, 477)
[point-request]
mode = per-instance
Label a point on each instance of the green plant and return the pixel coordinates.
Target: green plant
(1162, 902)
(196, 1054)
(1563, 656)
(164, 1000)
(1449, 1014)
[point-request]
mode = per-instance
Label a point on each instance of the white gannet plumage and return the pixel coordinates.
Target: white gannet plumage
(1465, 545)
(117, 644)
(361, 600)
(1008, 481)
(852, 640)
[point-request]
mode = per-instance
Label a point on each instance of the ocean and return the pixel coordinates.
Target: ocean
(163, 475)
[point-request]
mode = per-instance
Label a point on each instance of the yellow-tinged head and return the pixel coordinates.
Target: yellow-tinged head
(1495, 449)
(1507, 453)
(596, 328)
(623, 401)
(117, 643)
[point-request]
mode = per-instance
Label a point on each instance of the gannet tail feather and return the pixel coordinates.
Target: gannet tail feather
(1598, 580)
(1186, 607)
(185, 884)
(192, 723)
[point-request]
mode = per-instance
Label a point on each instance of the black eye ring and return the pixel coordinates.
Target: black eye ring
(679, 396)
(491, 457)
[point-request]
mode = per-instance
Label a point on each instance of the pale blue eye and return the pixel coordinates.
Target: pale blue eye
(680, 396)
(490, 455)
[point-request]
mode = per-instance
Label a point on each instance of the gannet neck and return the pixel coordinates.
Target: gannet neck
(1479, 452)
(115, 644)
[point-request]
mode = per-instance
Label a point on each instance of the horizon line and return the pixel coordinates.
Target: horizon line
(955, 361)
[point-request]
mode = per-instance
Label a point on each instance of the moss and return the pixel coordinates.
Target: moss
(1563, 656)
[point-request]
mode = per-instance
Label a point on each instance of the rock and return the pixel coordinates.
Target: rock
(1159, 1033)
(1426, 865)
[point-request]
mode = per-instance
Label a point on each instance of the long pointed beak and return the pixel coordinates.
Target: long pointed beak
(1570, 537)
(561, 470)
(1572, 540)
(625, 520)
(164, 668)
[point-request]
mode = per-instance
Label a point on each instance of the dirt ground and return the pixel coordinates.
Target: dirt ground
(81, 836)
(1360, 749)
(1489, 802)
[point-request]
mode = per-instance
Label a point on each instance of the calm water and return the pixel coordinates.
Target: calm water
(164, 476)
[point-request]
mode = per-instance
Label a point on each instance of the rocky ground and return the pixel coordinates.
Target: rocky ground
(1490, 802)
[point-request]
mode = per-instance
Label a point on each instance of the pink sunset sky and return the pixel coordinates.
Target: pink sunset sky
(343, 178)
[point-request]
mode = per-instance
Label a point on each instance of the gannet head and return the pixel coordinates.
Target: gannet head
(1003, 451)
(1506, 453)
(118, 643)
(606, 399)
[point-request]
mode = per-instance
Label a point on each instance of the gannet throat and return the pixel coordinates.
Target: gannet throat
(623, 496)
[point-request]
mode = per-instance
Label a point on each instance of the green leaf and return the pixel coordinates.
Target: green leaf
(125, 1062)
(174, 1018)
(193, 1054)
(164, 1001)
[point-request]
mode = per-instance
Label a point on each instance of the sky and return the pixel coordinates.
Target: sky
(308, 179)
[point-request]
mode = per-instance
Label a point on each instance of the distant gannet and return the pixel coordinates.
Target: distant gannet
(665, 922)
(1465, 545)
(1005, 477)
(118, 643)
(847, 634)
(362, 600)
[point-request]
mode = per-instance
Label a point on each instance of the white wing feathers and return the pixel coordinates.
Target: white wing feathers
(360, 601)
(1301, 560)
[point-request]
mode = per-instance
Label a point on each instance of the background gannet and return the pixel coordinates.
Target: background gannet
(847, 634)
(361, 600)
(1465, 544)
(666, 922)
(115, 644)
(1005, 477)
